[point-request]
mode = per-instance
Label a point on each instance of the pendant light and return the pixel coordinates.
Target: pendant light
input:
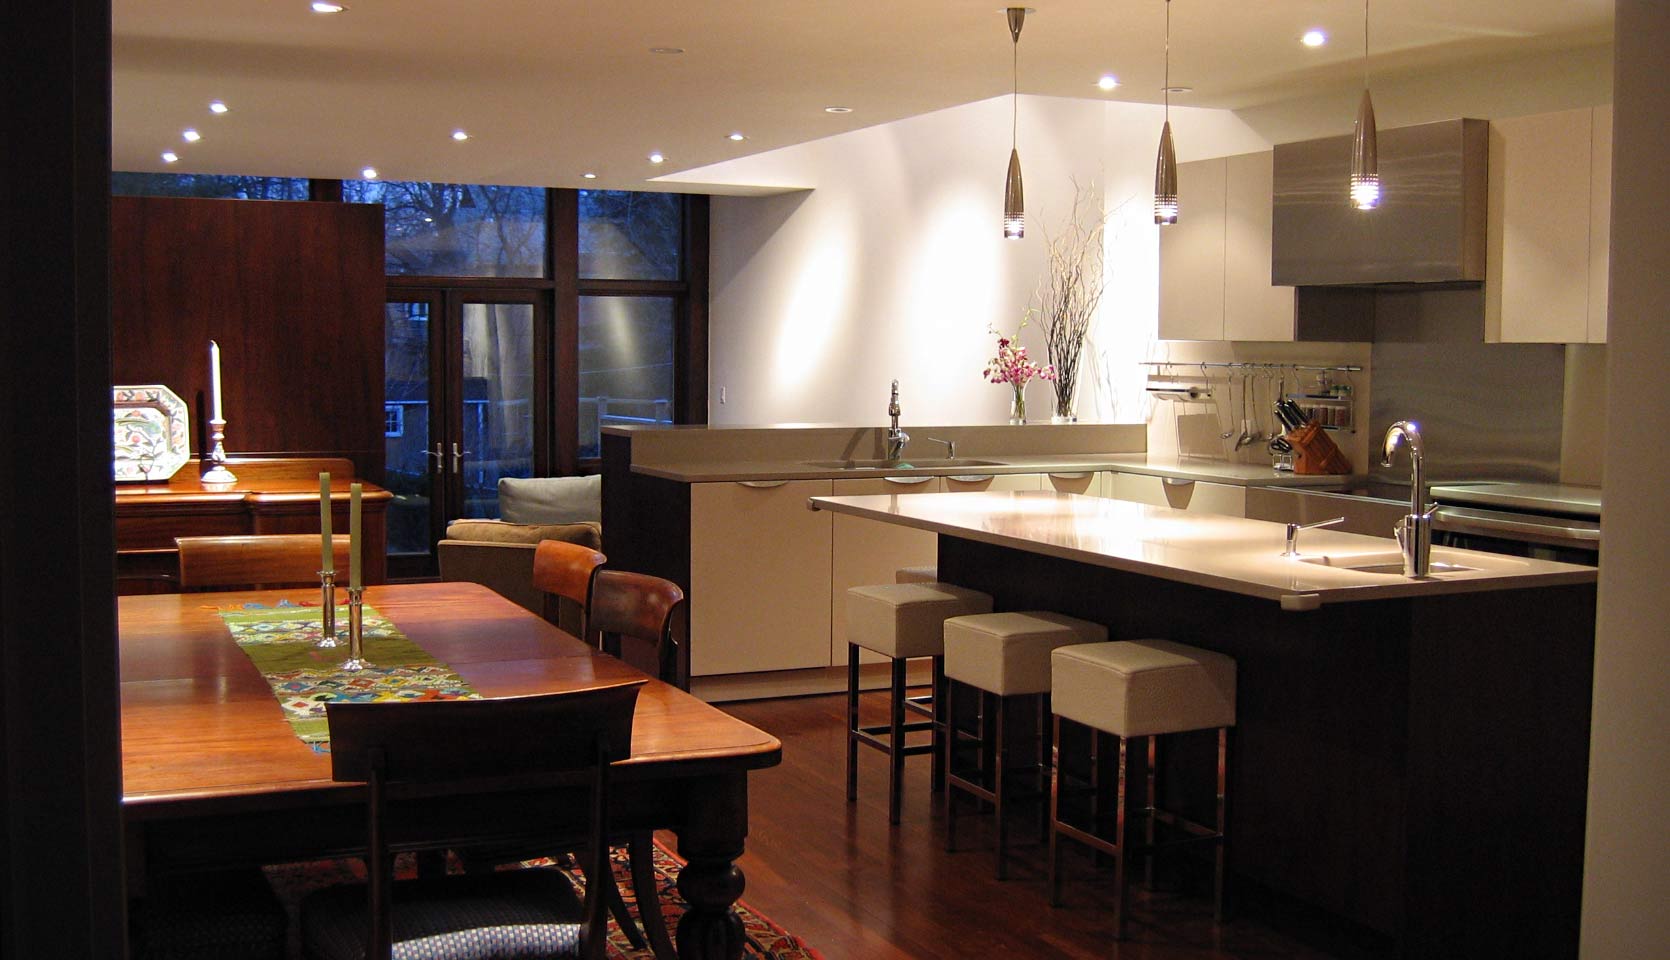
(1165, 164)
(1365, 164)
(1014, 206)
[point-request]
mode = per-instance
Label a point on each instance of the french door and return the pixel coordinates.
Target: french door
(466, 401)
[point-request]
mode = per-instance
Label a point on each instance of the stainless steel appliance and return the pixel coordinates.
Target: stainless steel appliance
(1548, 521)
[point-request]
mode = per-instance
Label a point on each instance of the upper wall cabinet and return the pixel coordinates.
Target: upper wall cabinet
(1550, 216)
(1215, 261)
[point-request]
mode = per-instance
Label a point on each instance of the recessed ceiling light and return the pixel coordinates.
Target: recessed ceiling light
(1314, 38)
(656, 158)
(460, 136)
(322, 6)
(589, 176)
(1108, 81)
(190, 135)
(1177, 89)
(837, 109)
(666, 49)
(735, 136)
(217, 106)
(169, 156)
(369, 173)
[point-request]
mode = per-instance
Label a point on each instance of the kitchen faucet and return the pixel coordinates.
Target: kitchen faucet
(896, 438)
(1414, 531)
(950, 446)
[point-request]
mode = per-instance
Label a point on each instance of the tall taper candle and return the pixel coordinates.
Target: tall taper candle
(214, 378)
(354, 537)
(327, 558)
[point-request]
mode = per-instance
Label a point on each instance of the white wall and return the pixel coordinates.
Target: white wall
(893, 265)
(1626, 880)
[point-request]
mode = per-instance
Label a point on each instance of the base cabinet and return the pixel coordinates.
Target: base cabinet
(1197, 495)
(759, 577)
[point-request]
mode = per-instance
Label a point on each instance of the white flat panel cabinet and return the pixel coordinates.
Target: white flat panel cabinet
(993, 483)
(1545, 277)
(868, 551)
(759, 576)
(1192, 255)
(1199, 496)
(1087, 483)
(1215, 261)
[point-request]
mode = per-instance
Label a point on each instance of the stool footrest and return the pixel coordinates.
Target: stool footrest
(886, 745)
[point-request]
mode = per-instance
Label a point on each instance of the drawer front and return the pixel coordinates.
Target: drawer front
(1194, 495)
(995, 483)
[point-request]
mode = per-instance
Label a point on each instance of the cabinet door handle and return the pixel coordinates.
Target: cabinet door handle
(1069, 476)
(972, 478)
(761, 484)
(907, 480)
(1175, 481)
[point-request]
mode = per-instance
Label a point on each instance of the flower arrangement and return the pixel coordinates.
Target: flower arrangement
(1013, 367)
(1070, 293)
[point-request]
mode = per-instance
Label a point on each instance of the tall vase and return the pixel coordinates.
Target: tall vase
(1064, 403)
(1017, 406)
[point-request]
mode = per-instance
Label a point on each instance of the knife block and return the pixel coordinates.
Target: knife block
(1316, 453)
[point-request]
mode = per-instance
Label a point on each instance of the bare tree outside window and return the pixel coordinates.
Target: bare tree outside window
(457, 230)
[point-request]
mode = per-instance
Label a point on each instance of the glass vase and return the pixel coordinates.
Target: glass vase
(1017, 406)
(1064, 404)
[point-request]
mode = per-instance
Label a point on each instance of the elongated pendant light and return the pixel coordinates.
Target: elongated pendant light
(1165, 164)
(1014, 204)
(1365, 163)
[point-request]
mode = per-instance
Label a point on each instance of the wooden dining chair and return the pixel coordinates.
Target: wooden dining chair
(411, 751)
(567, 571)
(645, 609)
(256, 561)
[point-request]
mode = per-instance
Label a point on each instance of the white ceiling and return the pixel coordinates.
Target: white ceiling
(550, 89)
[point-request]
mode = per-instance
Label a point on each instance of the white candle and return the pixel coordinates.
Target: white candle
(327, 558)
(354, 536)
(214, 378)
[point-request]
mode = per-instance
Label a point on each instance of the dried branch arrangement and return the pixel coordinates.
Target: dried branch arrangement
(1070, 292)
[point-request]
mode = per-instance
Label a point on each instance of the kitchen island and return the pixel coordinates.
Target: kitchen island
(1410, 755)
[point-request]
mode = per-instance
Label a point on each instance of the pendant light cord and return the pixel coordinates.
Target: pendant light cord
(1365, 43)
(1015, 92)
(1167, 88)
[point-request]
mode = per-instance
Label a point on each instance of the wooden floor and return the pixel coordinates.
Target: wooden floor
(838, 876)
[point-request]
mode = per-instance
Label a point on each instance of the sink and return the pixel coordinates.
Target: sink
(912, 463)
(1385, 563)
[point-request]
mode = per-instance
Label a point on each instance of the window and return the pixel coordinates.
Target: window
(458, 230)
(394, 420)
(626, 364)
(208, 185)
(630, 236)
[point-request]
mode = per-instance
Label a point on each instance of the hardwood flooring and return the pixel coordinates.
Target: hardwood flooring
(840, 877)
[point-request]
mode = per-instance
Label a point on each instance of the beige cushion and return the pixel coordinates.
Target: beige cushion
(1135, 688)
(908, 619)
(500, 531)
(927, 574)
(1009, 653)
(551, 499)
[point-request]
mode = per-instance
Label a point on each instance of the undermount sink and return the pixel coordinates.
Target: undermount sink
(912, 463)
(1386, 563)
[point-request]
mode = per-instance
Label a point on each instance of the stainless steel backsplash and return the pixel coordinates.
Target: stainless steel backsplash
(1486, 410)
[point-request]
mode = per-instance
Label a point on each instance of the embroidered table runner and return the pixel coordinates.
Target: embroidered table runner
(280, 642)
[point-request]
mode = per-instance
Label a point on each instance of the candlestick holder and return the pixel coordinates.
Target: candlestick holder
(218, 473)
(327, 610)
(356, 632)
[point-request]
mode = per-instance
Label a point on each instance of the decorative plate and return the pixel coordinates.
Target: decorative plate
(153, 436)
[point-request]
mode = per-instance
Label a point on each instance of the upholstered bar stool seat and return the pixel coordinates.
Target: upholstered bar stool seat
(923, 574)
(1140, 688)
(901, 621)
(1006, 656)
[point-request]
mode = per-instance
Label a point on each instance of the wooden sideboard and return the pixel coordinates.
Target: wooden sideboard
(270, 496)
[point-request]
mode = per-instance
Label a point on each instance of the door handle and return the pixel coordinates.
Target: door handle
(440, 458)
(457, 457)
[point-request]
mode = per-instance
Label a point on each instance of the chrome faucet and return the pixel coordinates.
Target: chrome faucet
(896, 438)
(1414, 531)
(1293, 534)
(950, 446)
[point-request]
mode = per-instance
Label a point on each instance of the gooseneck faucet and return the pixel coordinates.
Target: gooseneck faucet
(1414, 531)
(896, 438)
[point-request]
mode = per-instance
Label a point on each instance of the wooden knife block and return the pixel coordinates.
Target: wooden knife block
(1314, 452)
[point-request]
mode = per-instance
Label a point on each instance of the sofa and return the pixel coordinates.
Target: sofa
(499, 553)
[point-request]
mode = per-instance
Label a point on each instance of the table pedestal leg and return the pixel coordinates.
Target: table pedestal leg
(716, 821)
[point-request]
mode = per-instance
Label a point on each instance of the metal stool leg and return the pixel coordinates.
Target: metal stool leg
(1055, 817)
(1148, 811)
(940, 721)
(948, 749)
(852, 722)
(896, 741)
(1119, 846)
(1223, 826)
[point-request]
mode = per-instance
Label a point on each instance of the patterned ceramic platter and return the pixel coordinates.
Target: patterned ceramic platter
(153, 436)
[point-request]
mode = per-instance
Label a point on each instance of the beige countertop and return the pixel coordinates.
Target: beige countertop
(711, 471)
(1225, 553)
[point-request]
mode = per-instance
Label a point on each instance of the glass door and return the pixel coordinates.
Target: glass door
(463, 407)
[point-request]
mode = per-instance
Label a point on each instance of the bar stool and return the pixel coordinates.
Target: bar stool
(1005, 656)
(901, 621)
(923, 574)
(1143, 688)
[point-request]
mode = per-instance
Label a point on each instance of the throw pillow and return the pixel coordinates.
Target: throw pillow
(551, 499)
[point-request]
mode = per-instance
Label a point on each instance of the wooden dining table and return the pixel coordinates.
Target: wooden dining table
(214, 777)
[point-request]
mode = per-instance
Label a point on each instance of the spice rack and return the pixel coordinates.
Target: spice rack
(1330, 411)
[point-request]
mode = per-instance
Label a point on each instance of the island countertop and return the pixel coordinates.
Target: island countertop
(1224, 553)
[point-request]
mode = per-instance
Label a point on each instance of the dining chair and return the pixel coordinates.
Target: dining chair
(567, 571)
(256, 561)
(410, 751)
(648, 610)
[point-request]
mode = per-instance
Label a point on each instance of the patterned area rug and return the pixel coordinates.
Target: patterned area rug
(765, 939)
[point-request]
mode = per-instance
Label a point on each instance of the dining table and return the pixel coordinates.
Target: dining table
(214, 776)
